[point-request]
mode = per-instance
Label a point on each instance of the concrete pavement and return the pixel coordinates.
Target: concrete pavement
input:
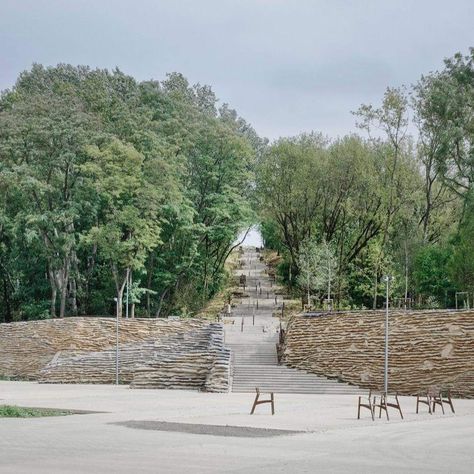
(333, 439)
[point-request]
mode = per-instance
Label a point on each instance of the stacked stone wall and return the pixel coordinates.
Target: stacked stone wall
(153, 353)
(426, 348)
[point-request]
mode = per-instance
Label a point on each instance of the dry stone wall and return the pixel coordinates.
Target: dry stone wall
(205, 365)
(153, 353)
(430, 348)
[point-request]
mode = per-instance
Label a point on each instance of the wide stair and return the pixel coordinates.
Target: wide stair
(255, 364)
(253, 343)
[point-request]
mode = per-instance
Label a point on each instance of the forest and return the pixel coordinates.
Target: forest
(396, 199)
(108, 183)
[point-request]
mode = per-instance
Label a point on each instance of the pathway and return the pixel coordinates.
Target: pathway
(252, 335)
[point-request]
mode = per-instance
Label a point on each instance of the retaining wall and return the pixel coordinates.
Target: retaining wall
(186, 354)
(430, 348)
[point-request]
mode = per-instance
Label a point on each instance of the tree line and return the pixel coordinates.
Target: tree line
(397, 198)
(107, 182)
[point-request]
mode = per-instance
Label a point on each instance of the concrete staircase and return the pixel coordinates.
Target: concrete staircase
(252, 336)
(255, 364)
(281, 379)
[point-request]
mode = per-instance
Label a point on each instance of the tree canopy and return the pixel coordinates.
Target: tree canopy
(387, 201)
(105, 180)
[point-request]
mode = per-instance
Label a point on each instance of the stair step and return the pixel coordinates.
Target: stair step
(254, 354)
(291, 387)
(287, 381)
(280, 377)
(297, 391)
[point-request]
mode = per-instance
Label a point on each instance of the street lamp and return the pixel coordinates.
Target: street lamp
(116, 343)
(387, 279)
(126, 298)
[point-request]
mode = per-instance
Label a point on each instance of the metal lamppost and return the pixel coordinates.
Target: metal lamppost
(126, 299)
(329, 283)
(387, 279)
(117, 342)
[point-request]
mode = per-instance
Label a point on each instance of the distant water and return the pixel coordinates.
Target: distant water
(253, 239)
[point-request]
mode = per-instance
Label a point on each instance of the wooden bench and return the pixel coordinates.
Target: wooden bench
(257, 401)
(384, 404)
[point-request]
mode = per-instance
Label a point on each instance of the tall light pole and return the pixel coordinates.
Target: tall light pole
(308, 290)
(388, 279)
(126, 298)
(329, 278)
(117, 342)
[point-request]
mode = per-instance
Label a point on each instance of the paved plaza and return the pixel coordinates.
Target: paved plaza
(150, 431)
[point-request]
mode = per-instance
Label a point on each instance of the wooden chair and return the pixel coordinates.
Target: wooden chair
(435, 396)
(437, 400)
(369, 405)
(440, 398)
(257, 401)
(420, 398)
(447, 399)
(384, 404)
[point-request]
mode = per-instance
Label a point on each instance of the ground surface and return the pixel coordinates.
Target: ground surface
(333, 439)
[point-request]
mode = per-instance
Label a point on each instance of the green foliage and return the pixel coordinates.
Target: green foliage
(104, 179)
(32, 311)
(12, 411)
(431, 275)
(387, 204)
(333, 192)
(317, 266)
(461, 266)
(444, 105)
(271, 235)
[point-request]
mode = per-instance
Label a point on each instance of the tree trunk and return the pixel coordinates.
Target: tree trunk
(149, 278)
(73, 289)
(62, 305)
(62, 280)
(148, 304)
(119, 302)
(53, 298)
(89, 274)
(132, 307)
(206, 259)
(7, 315)
(120, 286)
(162, 297)
(374, 304)
(74, 284)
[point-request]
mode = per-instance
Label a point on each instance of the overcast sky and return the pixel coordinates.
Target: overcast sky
(286, 66)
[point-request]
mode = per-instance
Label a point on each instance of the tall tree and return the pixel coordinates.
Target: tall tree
(41, 144)
(392, 120)
(127, 222)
